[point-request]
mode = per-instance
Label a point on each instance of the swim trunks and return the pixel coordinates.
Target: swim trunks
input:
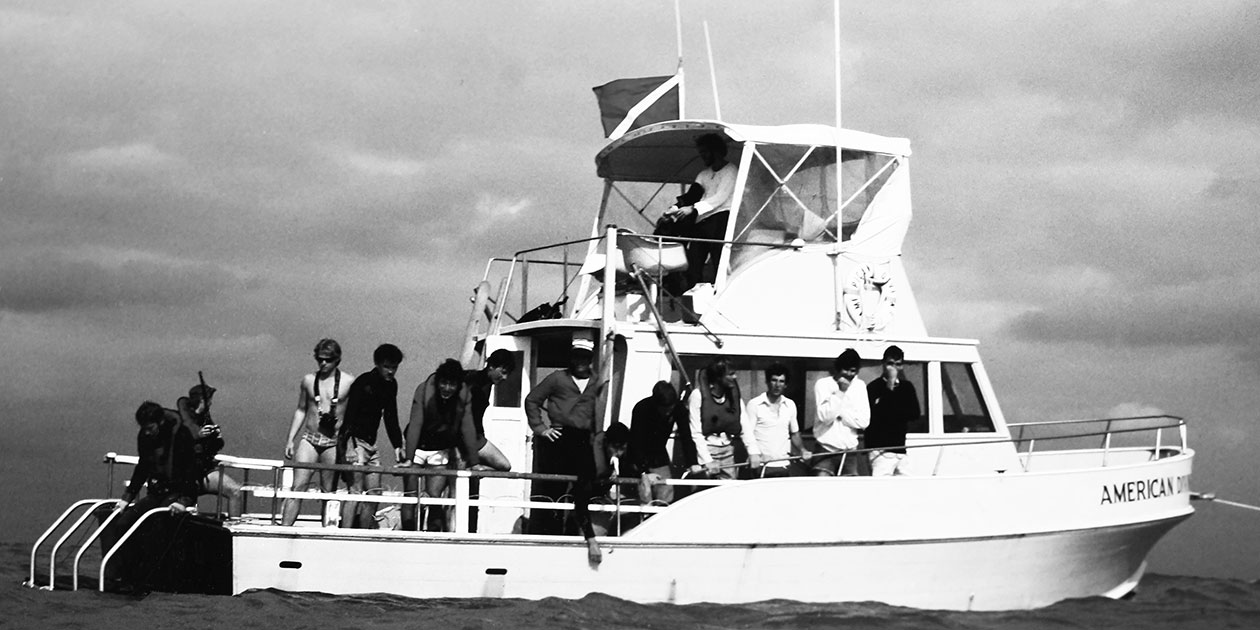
(319, 440)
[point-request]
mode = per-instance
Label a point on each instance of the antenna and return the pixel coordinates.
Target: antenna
(682, 85)
(717, 106)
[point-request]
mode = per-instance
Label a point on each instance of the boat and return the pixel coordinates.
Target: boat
(994, 515)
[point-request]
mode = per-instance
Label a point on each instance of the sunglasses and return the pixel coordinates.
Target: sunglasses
(320, 359)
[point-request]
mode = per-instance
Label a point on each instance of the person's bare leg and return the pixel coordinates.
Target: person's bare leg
(304, 454)
(223, 485)
(435, 486)
(491, 456)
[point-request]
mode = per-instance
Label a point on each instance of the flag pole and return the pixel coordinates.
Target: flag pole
(682, 85)
(717, 107)
(839, 214)
(839, 161)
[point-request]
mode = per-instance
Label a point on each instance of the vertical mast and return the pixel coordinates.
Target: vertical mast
(682, 84)
(717, 106)
(835, 259)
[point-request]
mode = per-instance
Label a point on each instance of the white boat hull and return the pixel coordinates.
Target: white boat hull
(995, 542)
(1000, 573)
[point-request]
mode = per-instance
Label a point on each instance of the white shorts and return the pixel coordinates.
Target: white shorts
(887, 464)
(431, 458)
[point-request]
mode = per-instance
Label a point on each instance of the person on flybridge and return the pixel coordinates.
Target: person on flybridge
(702, 212)
(322, 399)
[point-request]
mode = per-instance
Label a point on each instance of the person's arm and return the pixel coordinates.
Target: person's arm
(855, 409)
(416, 422)
(389, 414)
(467, 429)
(534, 402)
(299, 416)
(828, 406)
(697, 432)
(206, 436)
(747, 433)
(719, 192)
(794, 432)
(139, 474)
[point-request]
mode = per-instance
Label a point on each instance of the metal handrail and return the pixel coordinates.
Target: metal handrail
(118, 509)
(48, 532)
(52, 557)
(123, 539)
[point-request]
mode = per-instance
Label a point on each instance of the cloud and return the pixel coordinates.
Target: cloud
(59, 280)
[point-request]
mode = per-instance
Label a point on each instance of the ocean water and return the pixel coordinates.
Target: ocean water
(1161, 602)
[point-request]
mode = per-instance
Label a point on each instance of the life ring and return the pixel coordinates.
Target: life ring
(870, 297)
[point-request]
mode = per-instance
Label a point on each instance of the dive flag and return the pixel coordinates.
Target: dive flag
(627, 104)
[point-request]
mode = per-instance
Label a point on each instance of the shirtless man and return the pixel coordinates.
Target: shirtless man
(322, 399)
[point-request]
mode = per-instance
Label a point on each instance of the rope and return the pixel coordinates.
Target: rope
(1209, 496)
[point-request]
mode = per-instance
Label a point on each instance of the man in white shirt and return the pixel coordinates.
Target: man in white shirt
(843, 410)
(702, 212)
(773, 430)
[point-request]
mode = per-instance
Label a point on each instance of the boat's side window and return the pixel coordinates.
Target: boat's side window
(964, 409)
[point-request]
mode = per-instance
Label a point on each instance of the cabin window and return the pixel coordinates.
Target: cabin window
(963, 410)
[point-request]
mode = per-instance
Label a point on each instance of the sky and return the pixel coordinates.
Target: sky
(192, 186)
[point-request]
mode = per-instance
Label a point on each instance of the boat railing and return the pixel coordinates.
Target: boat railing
(544, 276)
(1025, 439)
(1106, 430)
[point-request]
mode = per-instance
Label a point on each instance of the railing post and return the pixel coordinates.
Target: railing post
(1159, 434)
(1106, 444)
(1032, 444)
(460, 515)
(524, 285)
(275, 494)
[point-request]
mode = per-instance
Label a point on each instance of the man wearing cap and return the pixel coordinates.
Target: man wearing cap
(194, 413)
(564, 439)
(894, 404)
(843, 410)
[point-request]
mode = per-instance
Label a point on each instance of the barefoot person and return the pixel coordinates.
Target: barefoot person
(322, 399)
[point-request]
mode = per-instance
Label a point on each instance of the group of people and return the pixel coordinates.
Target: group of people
(338, 419)
(176, 450)
(762, 437)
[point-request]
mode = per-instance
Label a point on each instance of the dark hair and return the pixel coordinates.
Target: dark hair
(387, 353)
(775, 369)
(616, 433)
(501, 358)
(848, 359)
(713, 142)
(328, 345)
(149, 412)
(664, 394)
(894, 353)
(714, 372)
(450, 370)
